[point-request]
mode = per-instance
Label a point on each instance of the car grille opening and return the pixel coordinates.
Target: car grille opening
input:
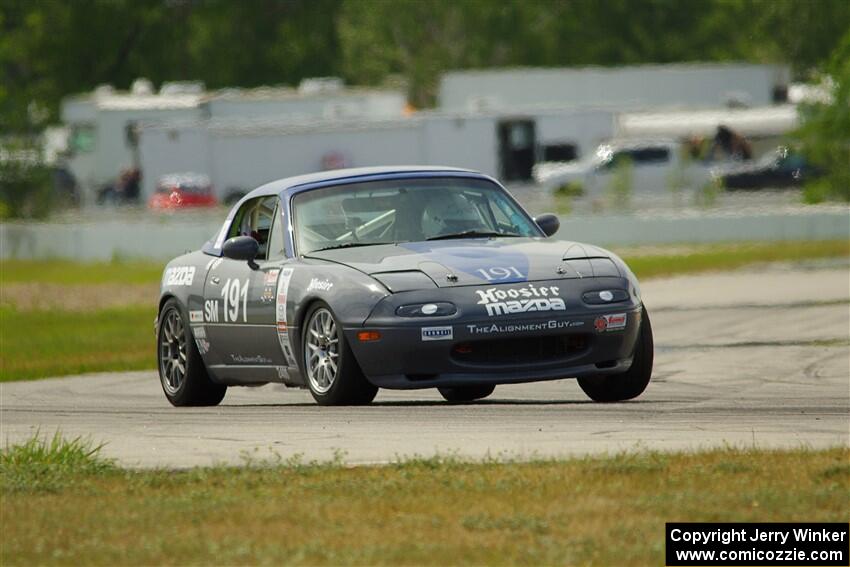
(525, 350)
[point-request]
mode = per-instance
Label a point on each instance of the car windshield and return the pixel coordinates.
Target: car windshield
(406, 210)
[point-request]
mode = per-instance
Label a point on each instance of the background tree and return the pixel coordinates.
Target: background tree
(49, 49)
(825, 134)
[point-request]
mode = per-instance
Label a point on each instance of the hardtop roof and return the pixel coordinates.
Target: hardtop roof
(352, 174)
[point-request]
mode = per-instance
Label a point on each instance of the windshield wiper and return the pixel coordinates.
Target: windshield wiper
(350, 245)
(471, 234)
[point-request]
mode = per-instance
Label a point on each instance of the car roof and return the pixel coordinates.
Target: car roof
(303, 182)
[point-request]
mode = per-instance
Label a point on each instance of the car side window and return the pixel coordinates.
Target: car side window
(254, 218)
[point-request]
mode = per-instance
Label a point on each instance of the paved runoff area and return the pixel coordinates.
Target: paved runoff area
(752, 358)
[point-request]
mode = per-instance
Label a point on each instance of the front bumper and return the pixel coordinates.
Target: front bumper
(473, 349)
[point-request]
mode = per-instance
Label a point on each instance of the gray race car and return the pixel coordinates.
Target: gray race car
(347, 281)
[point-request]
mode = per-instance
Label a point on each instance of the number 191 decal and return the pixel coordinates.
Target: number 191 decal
(498, 273)
(232, 292)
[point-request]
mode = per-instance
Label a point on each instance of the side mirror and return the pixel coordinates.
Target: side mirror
(548, 223)
(241, 248)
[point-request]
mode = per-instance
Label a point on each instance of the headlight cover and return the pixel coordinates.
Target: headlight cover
(435, 309)
(605, 296)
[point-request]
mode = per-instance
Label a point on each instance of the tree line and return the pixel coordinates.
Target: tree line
(52, 48)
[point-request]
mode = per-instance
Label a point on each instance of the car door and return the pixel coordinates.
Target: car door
(240, 299)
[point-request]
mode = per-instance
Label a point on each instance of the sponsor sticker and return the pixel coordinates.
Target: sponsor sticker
(506, 301)
(179, 276)
(616, 322)
(203, 345)
(437, 333)
(200, 332)
(280, 312)
(255, 359)
(522, 327)
(196, 316)
(282, 372)
(269, 285)
(319, 285)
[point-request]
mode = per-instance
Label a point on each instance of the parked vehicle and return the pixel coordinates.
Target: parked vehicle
(183, 190)
(652, 166)
(351, 280)
(775, 170)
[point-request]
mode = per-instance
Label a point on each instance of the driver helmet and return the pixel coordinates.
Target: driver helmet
(449, 213)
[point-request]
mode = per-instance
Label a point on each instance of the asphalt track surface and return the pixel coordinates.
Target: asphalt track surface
(751, 358)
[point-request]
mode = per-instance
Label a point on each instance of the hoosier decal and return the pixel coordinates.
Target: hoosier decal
(499, 301)
(319, 285)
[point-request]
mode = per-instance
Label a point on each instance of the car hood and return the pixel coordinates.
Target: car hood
(479, 261)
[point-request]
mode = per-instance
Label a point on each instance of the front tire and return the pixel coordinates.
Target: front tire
(182, 373)
(333, 376)
(466, 393)
(631, 383)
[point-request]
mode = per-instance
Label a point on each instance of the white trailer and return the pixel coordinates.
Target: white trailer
(103, 124)
(630, 87)
(102, 131)
(240, 154)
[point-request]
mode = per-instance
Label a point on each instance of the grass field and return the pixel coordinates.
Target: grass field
(595, 510)
(41, 343)
(704, 258)
(60, 317)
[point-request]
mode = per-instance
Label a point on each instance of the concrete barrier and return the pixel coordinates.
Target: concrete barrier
(166, 238)
(833, 223)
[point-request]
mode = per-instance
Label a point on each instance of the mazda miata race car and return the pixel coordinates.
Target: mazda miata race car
(347, 281)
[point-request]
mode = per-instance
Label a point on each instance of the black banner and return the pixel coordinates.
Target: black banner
(757, 544)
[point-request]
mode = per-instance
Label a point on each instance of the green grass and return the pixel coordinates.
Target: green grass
(594, 510)
(721, 257)
(38, 344)
(43, 464)
(69, 272)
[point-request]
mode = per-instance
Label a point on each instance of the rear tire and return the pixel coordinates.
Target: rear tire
(182, 373)
(466, 393)
(332, 373)
(631, 383)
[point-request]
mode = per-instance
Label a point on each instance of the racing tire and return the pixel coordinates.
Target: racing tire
(182, 373)
(631, 383)
(331, 371)
(466, 393)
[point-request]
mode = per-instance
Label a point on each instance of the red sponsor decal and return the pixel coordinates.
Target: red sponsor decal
(601, 324)
(281, 326)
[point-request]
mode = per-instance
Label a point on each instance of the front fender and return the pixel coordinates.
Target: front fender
(351, 294)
